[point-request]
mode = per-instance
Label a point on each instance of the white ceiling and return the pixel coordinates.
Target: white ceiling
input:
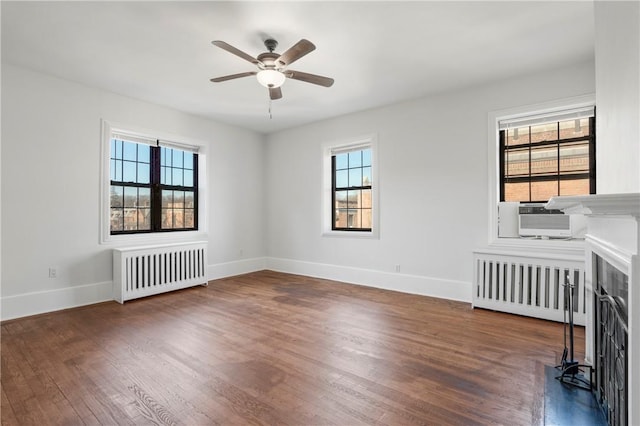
(378, 52)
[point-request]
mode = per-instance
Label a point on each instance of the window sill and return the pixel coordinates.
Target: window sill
(573, 248)
(123, 240)
(351, 234)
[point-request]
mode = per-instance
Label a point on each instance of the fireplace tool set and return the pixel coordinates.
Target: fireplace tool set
(572, 370)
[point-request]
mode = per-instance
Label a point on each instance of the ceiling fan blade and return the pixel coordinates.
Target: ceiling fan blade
(232, 76)
(225, 46)
(275, 93)
(296, 52)
(310, 78)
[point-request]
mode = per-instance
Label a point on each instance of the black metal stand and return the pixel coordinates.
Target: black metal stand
(572, 373)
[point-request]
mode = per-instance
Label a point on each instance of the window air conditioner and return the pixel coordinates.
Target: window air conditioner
(536, 221)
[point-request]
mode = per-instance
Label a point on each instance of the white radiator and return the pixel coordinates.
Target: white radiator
(528, 285)
(144, 271)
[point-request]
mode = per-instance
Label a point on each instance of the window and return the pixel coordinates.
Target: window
(547, 155)
(351, 189)
(153, 186)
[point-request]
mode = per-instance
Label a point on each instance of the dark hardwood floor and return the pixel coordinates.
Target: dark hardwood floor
(273, 348)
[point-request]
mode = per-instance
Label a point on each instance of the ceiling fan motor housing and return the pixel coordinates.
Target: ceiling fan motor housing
(267, 60)
(270, 44)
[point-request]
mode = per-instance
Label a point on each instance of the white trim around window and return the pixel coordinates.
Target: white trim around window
(108, 130)
(493, 127)
(346, 145)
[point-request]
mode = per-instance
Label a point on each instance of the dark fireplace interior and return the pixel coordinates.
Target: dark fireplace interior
(610, 341)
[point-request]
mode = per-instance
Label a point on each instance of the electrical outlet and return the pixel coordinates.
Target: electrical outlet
(397, 268)
(53, 273)
(241, 252)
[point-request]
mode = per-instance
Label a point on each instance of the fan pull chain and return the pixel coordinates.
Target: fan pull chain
(270, 115)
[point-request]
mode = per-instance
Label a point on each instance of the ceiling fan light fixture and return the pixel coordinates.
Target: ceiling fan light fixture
(271, 78)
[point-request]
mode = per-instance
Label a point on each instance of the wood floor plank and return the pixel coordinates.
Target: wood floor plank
(274, 348)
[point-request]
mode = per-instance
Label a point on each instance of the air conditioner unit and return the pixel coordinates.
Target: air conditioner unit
(536, 221)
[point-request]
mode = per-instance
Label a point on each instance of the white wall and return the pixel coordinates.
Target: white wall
(617, 29)
(50, 189)
(433, 187)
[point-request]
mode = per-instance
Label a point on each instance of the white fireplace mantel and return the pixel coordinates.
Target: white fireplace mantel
(613, 233)
(600, 204)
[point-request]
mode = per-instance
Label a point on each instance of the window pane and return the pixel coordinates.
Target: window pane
(116, 219)
(574, 187)
(144, 153)
(144, 173)
(128, 171)
(165, 157)
(342, 161)
(144, 197)
(366, 176)
(118, 172)
(178, 218)
(542, 191)
(188, 178)
(355, 177)
(574, 128)
(178, 199)
(144, 219)
(517, 136)
(517, 162)
(177, 177)
(516, 191)
(166, 220)
(342, 178)
(177, 158)
(189, 219)
(341, 218)
(353, 219)
(167, 198)
(188, 199)
(366, 198)
(165, 177)
(188, 160)
(118, 149)
(366, 157)
(130, 197)
(130, 219)
(129, 151)
(544, 160)
(353, 199)
(116, 195)
(574, 157)
(341, 199)
(355, 159)
(366, 218)
(544, 132)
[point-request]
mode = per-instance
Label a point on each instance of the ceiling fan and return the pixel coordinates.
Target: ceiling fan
(273, 67)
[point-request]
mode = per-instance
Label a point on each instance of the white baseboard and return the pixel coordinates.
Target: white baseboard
(414, 284)
(238, 267)
(39, 302)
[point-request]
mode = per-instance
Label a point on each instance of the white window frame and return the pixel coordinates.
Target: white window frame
(108, 129)
(330, 148)
(493, 140)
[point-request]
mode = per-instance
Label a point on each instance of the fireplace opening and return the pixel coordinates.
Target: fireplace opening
(611, 341)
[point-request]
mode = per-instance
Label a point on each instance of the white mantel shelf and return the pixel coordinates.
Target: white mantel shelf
(598, 204)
